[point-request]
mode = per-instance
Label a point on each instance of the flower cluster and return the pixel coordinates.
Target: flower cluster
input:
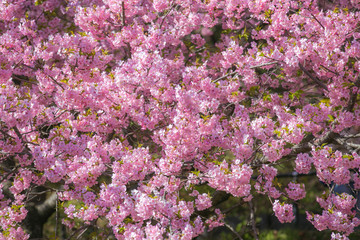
(125, 111)
(284, 212)
(338, 214)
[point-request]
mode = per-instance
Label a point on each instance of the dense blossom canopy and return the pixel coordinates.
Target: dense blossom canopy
(124, 110)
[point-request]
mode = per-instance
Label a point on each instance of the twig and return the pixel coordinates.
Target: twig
(353, 145)
(123, 12)
(28, 192)
(254, 153)
(32, 68)
(292, 174)
(354, 30)
(317, 20)
(39, 193)
(35, 144)
(61, 114)
(6, 134)
(56, 214)
(247, 20)
(263, 64)
(329, 70)
(309, 141)
(162, 21)
(18, 134)
(315, 79)
(78, 237)
(16, 65)
(252, 219)
(353, 97)
(351, 136)
(46, 209)
(326, 138)
(233, 207)
(225, 76)
(351, 103)
(56, 82)
(233, 230)
(26, 148)
(20, 79)
(39, 17)
(9, 173)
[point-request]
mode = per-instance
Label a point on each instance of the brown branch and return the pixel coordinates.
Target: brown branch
(329, 70)
(32, 68)
(19, 79)
(317, 20)
(47, 208)
(34, 195)
(315, 79)
(348, 146)
(18, 134)
(16, 65)
(26, 148)
(233, 207)
(56, 82)
(351, 103)
(162, 22)
(310, 140)
(252, 219)
(56, 215)
(232, 74)
(35, 69)
(233, 230)
(8, 174)
(123, 12)
(353, 96)
(264, 64)
(6, 134)
(78, 230)
(346, 137)
(79, 236)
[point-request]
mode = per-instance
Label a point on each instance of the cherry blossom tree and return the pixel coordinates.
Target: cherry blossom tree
(147, 114)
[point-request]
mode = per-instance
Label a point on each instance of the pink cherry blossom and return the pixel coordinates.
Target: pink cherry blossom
(284, 212)
(141, 113)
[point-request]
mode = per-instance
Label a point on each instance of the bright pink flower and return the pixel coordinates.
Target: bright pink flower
(296, 191)
(283, 211)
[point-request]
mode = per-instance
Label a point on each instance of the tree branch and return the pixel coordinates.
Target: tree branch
(233, 230)
(264, 64)
(253, 219)
(48, 207)
(232, 74)
(353, 96)
(315, 79)
(123, 12)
